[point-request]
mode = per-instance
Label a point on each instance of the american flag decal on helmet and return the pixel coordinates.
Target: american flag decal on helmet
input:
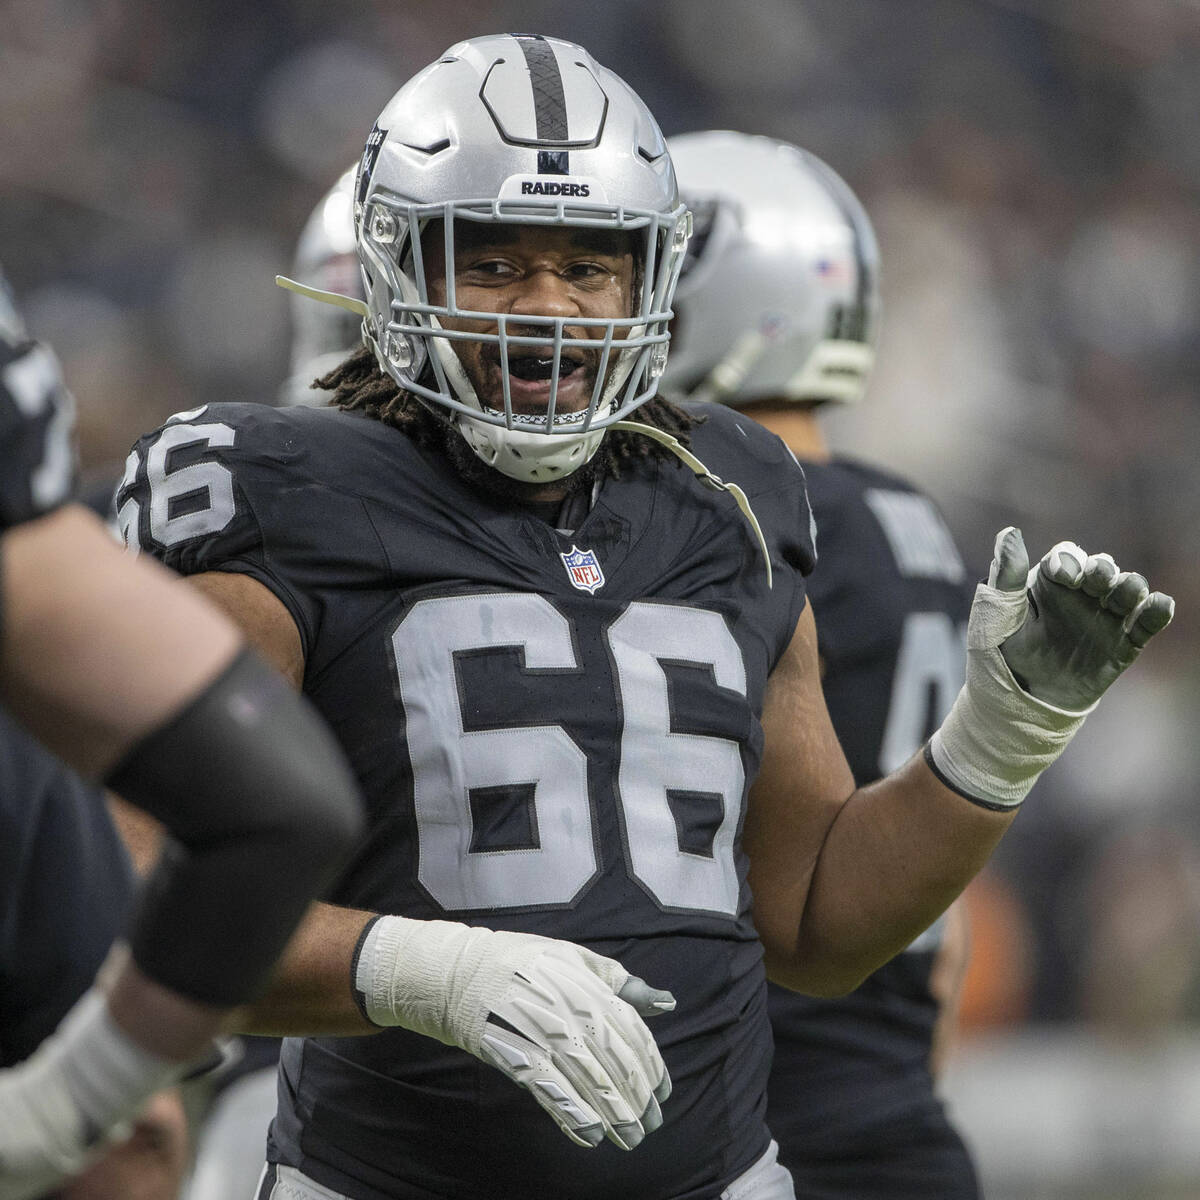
(583, 570)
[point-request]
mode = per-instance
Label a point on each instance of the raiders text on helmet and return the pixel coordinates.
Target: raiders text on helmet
(778, 298)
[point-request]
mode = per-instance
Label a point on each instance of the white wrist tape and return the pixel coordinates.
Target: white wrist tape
(408, 974)
(71, 1097)
(997, 739)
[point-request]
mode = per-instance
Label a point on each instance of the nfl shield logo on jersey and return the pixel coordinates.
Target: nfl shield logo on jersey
(583, 569)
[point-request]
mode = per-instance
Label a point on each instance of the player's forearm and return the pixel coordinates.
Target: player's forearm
(895, 857)
(88, 633)
(311, 991)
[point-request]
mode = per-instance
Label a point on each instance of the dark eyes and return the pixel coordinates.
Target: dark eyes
(500, 269)
(496, 267)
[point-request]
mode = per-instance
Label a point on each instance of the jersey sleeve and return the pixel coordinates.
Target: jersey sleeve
(743, 452)
(37, 425)
(230, 488)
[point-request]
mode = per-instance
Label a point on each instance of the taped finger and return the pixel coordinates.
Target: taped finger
(1129, 589)
(1010, 561)
(1099, 572)
(1063, 564)
(1150, 617)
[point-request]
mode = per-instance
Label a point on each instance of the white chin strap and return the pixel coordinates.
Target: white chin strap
(527, 455)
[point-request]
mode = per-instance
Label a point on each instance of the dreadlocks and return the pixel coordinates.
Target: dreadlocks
(358, 384)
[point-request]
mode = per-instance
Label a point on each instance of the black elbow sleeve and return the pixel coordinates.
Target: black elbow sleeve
(262, 809)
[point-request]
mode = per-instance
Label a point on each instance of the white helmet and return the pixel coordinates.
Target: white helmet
(527, 130)
(323, 335)
(779, 295)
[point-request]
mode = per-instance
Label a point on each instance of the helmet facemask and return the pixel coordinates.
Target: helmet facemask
(415, 337)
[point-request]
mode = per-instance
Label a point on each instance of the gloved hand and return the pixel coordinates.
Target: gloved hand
(1042, 647)
(554, 1017)
(1087, 620)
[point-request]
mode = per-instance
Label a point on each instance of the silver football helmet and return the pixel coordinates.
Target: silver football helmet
(779, 295)
(517, 129)
(326, 259)
(12, 327)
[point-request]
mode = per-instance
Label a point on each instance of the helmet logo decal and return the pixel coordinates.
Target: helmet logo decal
(554, 162)
(366, 167)
(583, 569)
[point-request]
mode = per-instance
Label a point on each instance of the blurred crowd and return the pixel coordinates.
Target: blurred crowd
(1033, 171)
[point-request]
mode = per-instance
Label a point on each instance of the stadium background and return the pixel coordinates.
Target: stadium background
(1033, 171)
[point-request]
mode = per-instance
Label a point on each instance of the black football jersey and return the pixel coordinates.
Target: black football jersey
(37, 457)
(851, 1076)
(66, 887)
(555, 734)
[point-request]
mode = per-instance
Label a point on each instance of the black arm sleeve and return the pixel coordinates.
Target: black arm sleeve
(262, 809)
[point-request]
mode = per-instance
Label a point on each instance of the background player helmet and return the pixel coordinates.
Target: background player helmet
(527, 130)
(323, 335)
(12, 328)
(779, 293)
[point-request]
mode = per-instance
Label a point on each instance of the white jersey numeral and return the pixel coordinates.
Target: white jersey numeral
(35, 383)
(656, 762)
(930, 669)
(425, 645)
(207, 485)
(656, 767)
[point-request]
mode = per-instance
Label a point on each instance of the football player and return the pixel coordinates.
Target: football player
(776, 316)
(559, 650)
(130, 676)
(127, 674)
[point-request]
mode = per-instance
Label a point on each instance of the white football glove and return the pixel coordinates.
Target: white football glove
(554, 1017)
(71, 1099)
(1042, 647)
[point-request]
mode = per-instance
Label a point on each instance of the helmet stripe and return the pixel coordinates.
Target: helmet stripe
(549, 101)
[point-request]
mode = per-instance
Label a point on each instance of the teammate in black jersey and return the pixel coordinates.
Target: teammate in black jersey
(558, 659)
(776, 316)
(125, 673)
(67, 890)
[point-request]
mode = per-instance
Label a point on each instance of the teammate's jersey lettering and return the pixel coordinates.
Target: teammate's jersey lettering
(930, 668)
(918, 536)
